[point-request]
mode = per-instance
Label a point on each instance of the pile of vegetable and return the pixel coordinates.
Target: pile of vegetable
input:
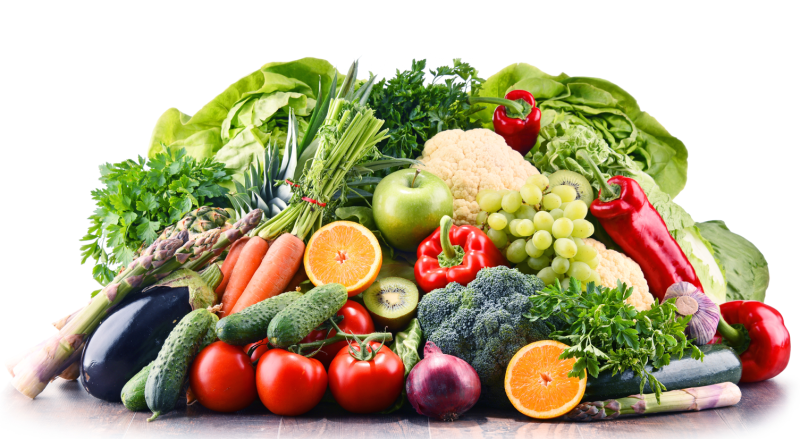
(412, 244)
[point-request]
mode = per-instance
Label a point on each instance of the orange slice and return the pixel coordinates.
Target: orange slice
(537, 382)
(343, 252)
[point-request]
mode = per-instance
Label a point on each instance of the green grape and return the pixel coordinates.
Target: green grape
(566, 192)
(481, 193)
(585, 253)
(565, 283)
(539, 181)
(594, 262)
(532, 250)
(525, 212)
(549, 252)
(531, 194)
(562, 228)
(524, 227)
(582, 228)
(576, 210)
(498, 237)
(525, 268)
(491, 202)
(551, 201)
(578, 241)
(511, 201)
(516, 251)
(564, 247)
(560, 265)
(481, 217)
(543, 221)
(547, 275)
(538, 263)
(594, 277)
(542, 239)
(580, 271)
(557, 213)
(497, 221)
(512, 227)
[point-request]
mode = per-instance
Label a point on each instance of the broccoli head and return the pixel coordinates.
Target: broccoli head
(483, 323)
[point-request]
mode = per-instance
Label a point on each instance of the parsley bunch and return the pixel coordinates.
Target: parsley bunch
(139, 198)
(605, 333)
(414, 112)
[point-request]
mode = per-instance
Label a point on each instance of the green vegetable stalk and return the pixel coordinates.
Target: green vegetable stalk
(406, 346)
(37, 369)
(692, 399)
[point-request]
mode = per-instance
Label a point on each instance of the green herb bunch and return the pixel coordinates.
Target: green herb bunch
(141, 197)
(414, 112)
(605, 333)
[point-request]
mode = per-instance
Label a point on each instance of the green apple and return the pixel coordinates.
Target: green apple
(407, 206)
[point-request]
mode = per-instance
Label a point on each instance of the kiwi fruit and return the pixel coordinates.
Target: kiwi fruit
(392, 303)
(578, 181)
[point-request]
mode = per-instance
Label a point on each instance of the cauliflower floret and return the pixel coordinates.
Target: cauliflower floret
(615, 265)
(469, 161)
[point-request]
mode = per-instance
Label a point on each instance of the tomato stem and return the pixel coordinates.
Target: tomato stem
(340, 336)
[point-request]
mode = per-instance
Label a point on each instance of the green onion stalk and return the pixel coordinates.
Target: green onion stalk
(44, 362)
(347, 138)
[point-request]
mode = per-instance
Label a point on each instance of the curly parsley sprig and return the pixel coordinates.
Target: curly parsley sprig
(140, 197)
(605, 333)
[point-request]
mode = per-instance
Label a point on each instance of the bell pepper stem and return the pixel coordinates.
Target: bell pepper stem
(451, 255)
(736, 338)
(609, 191)
(515, 109)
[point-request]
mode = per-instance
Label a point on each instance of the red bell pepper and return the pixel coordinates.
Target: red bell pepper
(624, 211)
(756, 332)
(516, 119)
(454, 254)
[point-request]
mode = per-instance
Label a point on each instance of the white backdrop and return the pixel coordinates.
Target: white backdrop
(83, 84)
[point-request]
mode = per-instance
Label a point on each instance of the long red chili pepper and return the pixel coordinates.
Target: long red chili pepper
(624, 211)
(516, 119)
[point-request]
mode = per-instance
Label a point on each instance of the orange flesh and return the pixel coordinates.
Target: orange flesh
(342, 254)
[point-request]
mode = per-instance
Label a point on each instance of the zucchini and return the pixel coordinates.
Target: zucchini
(132, 394)
(720, 364)
(250, 325)
(300, 317)
(166, 377)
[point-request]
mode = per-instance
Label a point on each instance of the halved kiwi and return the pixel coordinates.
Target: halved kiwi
(392, 303)
(578, 181)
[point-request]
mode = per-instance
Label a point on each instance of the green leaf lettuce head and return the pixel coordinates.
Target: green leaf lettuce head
(703, 258)
(140, 197)
(605, 108)
(745, 267)
(236, 125)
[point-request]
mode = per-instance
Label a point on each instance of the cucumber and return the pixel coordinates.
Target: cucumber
(300, 317)
(132, 394)
(720, 364)
(250, 325)
(166, 377)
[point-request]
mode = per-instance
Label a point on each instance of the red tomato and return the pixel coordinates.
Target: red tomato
(356, 321)
(366, 386)
(222, 378)
(290, 384)
(263, 346)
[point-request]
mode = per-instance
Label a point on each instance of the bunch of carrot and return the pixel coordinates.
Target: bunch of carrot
(255, 270)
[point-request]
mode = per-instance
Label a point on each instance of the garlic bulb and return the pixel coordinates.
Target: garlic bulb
(693, 302)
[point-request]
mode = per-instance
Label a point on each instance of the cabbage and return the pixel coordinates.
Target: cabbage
(703, 258)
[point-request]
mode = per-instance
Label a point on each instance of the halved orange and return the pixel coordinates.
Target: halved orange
(343, 252)
(537, 383)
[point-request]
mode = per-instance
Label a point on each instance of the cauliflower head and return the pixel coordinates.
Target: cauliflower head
(469, 161)
(615, 265)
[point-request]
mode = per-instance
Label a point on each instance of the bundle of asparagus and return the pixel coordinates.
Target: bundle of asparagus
(167, 254)
(692, 399)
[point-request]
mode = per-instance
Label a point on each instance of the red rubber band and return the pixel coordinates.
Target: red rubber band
(290, 183)
(313, 201)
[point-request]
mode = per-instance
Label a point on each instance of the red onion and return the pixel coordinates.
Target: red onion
(442, 386)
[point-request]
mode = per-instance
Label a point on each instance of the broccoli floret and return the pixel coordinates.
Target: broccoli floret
(484, 324)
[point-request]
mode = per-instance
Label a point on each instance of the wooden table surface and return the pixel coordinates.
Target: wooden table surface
(66, 410)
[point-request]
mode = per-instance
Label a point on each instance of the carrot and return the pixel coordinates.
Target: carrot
(298, 278)
(249, 259)
(230, 262)
(276, 270)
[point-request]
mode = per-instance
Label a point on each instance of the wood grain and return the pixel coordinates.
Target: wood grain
(66, 410)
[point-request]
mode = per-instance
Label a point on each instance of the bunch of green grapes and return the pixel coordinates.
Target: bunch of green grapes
(541, 230)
